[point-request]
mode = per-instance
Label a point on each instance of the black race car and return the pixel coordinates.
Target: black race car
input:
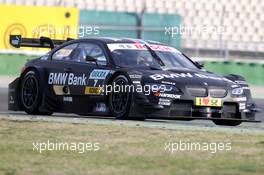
(128, 79)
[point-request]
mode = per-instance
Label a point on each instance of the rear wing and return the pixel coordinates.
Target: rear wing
(42, 42)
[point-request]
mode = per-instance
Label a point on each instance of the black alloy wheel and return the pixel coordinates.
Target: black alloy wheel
(30, 92)
(120, 97)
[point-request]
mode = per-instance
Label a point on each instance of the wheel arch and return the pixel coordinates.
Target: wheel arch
(115, 74)
(41, 73)
(38, 69)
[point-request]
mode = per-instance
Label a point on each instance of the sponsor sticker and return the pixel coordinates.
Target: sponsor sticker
(187, 75)
(214, 102)
(11, 100)
(67, 99)
(165, 95)
(61, 90)
(66, 78)
(135, 76)
(167, 82)
(99, 74)
(136, 82)
(100, 107)
(16, 40)
(155, 47)
(242, 106)
(237, 99)
(164, 101)
(93, 90)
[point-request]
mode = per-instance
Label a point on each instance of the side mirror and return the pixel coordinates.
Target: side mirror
(90, 58)
(199, 64)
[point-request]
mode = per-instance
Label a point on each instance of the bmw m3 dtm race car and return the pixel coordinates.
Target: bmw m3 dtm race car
(126, 78)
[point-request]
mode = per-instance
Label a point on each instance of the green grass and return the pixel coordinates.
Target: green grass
(252, 72)
(124, 150)
(11, 64)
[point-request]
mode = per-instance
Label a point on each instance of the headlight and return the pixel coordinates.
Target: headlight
(237, 91)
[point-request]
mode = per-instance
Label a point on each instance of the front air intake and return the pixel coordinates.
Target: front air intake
(197, 91)
(217, 92)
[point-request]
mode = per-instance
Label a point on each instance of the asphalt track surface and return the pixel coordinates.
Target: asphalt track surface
(165, 124)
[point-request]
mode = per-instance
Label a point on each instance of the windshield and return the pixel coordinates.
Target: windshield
(142, 57)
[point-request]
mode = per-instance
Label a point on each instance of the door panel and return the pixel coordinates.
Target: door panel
(75, 81)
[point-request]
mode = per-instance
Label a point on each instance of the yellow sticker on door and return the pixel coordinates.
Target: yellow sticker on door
(93, 90)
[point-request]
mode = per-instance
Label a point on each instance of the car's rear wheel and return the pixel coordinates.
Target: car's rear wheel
(119, 98)
(227, 122)
(31, 93)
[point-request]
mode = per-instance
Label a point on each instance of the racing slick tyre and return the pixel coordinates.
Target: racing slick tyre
(119, 100)
(227, 122)
(30, 92)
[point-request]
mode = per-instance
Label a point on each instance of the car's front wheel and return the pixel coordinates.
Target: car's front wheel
(227, 122)
(120, 97)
